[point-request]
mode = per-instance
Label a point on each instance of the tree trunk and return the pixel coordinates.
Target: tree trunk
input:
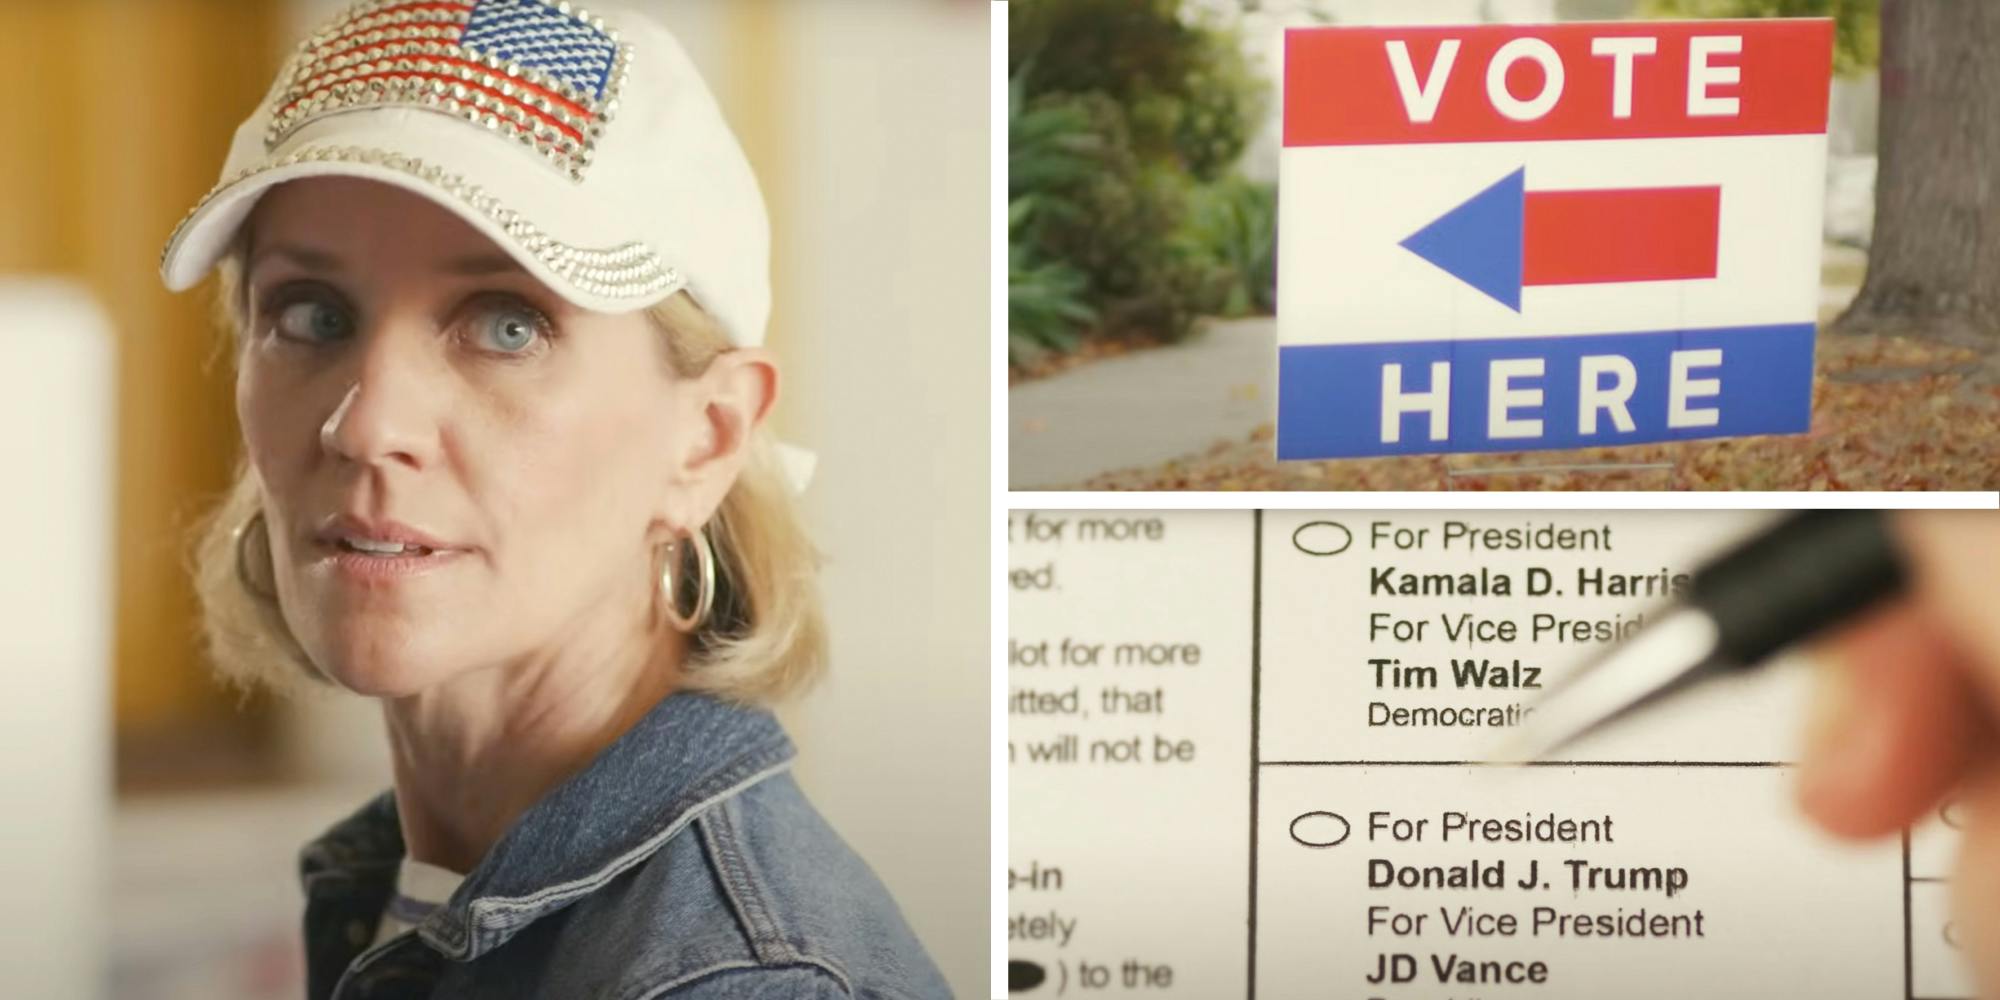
(1934, 262)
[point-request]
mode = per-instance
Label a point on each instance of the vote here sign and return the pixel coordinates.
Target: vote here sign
(1552, 236)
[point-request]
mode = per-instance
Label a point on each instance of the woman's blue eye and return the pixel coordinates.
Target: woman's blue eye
(510, 330)
(314, 320)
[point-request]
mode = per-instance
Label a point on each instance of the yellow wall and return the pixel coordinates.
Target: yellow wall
(117, 118)
(755, 98)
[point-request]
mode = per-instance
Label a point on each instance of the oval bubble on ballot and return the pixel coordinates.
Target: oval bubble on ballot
(1320, 828)
(1322, 538)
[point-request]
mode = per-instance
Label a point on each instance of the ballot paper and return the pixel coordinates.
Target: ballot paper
(1248, 758)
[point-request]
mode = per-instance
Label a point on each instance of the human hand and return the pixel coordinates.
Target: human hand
(1908, 712)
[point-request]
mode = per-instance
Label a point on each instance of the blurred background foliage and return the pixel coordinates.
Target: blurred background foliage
(1857, 44)
(1126, 216)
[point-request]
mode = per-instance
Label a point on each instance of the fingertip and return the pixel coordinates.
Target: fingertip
(1828, 789)
(1840, 785)
(1892, 729)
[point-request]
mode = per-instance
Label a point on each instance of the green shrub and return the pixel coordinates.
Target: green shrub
(1045, 304)
(1185, 86)
(1051, 150)
(1118, 111)
(1049, 147)
(1232, 227)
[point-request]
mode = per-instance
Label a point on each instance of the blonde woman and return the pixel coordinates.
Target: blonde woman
(497, 275)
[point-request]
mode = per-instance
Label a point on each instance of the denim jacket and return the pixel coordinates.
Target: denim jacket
(682, 864)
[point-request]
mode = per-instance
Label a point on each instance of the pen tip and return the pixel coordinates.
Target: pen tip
(1666, 653)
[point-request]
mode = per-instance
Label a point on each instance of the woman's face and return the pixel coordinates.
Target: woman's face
(402, 375)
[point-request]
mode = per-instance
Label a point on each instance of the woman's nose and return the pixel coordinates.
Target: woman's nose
(387, 414)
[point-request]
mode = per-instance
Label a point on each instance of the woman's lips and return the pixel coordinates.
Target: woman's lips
(371, 567)
(376, 533)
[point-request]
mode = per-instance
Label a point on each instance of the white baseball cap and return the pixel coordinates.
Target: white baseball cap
(583, 143)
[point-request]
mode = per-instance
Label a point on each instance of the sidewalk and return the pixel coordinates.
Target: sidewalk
(1142, 408)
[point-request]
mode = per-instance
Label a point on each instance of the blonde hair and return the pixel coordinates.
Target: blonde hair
(764, 638)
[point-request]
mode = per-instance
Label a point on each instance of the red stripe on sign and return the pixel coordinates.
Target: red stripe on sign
(1626, 234)
(1493, 83)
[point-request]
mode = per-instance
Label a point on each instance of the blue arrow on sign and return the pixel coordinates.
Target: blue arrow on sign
(1479, 242)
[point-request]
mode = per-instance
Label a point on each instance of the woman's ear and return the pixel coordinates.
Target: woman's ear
(734, 396)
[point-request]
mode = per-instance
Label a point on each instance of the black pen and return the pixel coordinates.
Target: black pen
(1809, 571)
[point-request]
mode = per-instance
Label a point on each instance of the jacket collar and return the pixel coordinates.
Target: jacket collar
(685, 754)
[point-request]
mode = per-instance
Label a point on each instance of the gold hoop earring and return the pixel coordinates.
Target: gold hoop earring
(704, 595)
(258, 531)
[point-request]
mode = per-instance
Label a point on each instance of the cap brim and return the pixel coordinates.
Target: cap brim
(615, 278)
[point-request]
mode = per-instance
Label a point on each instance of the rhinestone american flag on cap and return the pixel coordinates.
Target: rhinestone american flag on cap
(543, 73)
(668, 203)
